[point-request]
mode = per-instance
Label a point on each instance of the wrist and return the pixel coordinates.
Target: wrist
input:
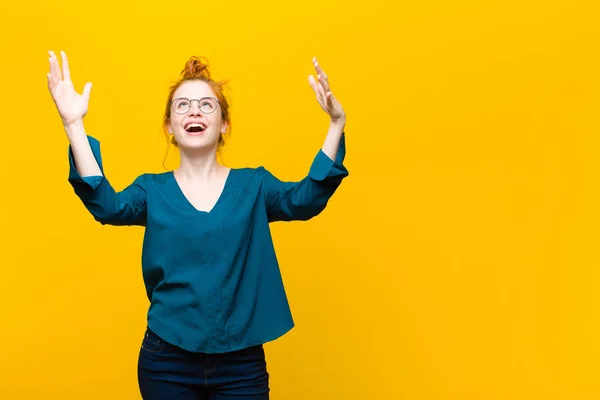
(338, 123)
(74, 126)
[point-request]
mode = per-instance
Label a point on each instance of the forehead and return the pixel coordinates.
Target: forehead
(193, 90)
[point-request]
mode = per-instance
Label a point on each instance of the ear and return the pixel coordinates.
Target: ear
(224, 126)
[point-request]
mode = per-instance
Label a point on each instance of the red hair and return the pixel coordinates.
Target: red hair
(197, 70)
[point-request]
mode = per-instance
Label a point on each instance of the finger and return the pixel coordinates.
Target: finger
(66, 70)
(51, 61)
(313, 83)
(320, 71)
(54, 68)
(53, 85)
(50, 82)
(51, 73)
(329, 101)
(321, 90)
(51, 64)
(318, 88)
(323, 82)
(87, 89)
(316, 64)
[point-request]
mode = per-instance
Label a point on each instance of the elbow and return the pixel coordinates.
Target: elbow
(309, 212)
(119, 220)
(103, 215)
(104, 218)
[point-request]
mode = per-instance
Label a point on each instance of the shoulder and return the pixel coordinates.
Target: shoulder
(258, 173)
(250, 179)
(149, 179)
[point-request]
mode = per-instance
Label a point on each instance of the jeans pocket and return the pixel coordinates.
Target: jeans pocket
(152, 342)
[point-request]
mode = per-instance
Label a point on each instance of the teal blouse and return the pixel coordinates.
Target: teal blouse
(212, 278)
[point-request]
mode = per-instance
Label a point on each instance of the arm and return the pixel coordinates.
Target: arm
(305, 199)
(332, 107)
(127, 207)
(72, 107)
(81, 150)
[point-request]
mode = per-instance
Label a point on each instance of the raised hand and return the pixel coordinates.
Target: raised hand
(325, 97)
(71, 105)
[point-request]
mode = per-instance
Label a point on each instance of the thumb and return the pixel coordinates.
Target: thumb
(87, 89)
(312, 83)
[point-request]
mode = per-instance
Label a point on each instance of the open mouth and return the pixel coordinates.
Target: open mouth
(195, 128)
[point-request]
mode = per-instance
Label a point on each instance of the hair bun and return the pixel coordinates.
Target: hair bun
(195, 68)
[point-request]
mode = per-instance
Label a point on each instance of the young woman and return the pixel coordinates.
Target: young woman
(208, 261)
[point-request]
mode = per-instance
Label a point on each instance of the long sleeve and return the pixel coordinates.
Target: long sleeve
(305, 199)
(107, 206)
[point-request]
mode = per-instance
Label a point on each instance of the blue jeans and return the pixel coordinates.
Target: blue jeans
(167, 372)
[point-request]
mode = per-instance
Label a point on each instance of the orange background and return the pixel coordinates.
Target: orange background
(460, 258)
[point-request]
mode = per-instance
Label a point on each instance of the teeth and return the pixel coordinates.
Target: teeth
(201, 126)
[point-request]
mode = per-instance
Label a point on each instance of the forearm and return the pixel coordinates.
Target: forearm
(84, 159)
(302, 200)
(332, 140)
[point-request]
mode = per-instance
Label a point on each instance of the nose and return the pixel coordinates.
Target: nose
(195, 107)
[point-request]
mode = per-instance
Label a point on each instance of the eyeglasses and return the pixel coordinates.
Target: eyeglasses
(206, 104)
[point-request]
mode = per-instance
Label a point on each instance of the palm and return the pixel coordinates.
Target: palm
(325, 97)
(71, 105)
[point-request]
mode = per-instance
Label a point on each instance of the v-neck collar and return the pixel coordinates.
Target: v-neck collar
(189, 205)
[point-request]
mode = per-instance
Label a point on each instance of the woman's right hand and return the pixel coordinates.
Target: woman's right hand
(71, 105)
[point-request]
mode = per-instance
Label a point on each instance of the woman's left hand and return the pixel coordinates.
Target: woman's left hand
(326, 99)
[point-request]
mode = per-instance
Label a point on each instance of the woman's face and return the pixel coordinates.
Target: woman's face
(196, 116)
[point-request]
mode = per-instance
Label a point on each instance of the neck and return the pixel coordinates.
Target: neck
(198, 165)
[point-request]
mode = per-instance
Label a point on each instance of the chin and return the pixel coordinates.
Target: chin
(196, 142)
